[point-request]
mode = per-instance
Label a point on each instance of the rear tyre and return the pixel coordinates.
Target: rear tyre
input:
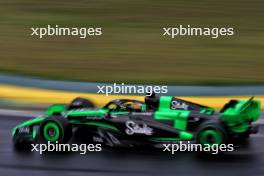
(55, 129)
(241, 138)
(211, 132)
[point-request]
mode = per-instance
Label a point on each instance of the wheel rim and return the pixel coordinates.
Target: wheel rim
(211, 137)
(51, 131)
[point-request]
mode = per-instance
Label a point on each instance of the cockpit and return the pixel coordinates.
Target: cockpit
(125, 105)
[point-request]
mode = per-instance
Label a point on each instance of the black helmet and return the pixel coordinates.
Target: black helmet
(152, 101)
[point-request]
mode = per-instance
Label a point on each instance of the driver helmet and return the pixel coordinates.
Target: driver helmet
(136, 106)
(152, 101)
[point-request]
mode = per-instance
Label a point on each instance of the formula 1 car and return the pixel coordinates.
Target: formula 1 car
(125, 122)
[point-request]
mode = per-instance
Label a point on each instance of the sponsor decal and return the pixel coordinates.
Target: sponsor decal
(179, 105)
(97, 139)
(113, 138)
(24, 130)
(142, 113)
(134, 128)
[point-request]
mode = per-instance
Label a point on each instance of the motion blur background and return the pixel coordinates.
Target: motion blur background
(132, 48)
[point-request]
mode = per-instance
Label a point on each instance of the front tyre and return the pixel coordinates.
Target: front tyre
(55, 129)
(211, 132)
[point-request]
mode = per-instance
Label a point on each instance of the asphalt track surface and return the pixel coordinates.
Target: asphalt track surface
(245, 161)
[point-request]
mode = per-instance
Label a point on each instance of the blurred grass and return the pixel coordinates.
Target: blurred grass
(132, 48)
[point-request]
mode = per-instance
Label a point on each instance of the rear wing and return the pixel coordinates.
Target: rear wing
(241, 110)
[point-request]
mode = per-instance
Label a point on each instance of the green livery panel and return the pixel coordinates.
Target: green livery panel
(238, 113)
(164, 112)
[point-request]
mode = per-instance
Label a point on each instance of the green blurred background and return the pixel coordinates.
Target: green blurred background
(132, 48)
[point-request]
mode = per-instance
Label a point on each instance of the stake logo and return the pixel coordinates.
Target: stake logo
(179, 105)
(134, 128)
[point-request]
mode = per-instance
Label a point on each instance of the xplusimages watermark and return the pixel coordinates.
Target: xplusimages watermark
(131, 89)
(58, 147)
(56, 30)
(188, 30)
(192, 147)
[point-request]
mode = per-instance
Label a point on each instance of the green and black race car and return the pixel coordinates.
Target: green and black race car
(125, 122)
